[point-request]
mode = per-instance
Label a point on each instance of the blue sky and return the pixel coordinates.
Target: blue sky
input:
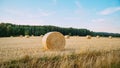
(96, 15)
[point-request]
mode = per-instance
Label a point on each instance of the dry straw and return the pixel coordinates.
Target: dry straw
(97, 36)
(53, 41)
(11, 36)
(32, 35)
(27, 36)
(21, 36)
(67, 36)
(110, 37)
(88, 37)
(41, 35)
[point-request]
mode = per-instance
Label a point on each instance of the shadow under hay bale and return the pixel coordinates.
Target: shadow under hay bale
(53, 41)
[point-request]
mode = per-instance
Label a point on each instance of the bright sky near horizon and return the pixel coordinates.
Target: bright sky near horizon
(95, 15)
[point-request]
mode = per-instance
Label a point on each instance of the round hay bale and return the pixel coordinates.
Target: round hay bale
(97, 36)
(110, 37)
(32, 35)
(41, 35)
(67, 36)
(88, 37)
(27, 36)
(21, 36)
(11, 36)
(78, 36)
(53, 41)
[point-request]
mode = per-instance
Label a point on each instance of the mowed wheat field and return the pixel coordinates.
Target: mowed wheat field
(16, 47)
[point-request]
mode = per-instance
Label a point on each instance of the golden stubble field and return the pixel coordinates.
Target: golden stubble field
(17, 47)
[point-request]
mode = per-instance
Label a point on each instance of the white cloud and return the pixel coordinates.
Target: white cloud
(72, 18)
(110, 10)
(18, 13)
(54, 1)
(23, 22)
(32, 17)
(100, 20)
(43, 13)
(80, 9)
(14, 12)
(104, 25)
(29, 14)
(77, 3)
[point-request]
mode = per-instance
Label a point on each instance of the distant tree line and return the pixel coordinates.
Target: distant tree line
(8, 29)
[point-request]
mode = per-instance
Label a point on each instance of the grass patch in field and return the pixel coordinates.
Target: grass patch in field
(86, 60)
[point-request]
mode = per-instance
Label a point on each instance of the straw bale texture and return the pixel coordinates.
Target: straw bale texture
(67, 36)
(53, 41)
(88, 37)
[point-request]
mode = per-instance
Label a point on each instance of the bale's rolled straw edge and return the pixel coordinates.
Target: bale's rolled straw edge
(110, 37)
(27, 36)
(41, 35)
(67, 36)
(88, 37)
(98, 36)
(53, 41)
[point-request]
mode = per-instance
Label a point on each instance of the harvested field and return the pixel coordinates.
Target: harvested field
(15, 47)
(12, 48)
